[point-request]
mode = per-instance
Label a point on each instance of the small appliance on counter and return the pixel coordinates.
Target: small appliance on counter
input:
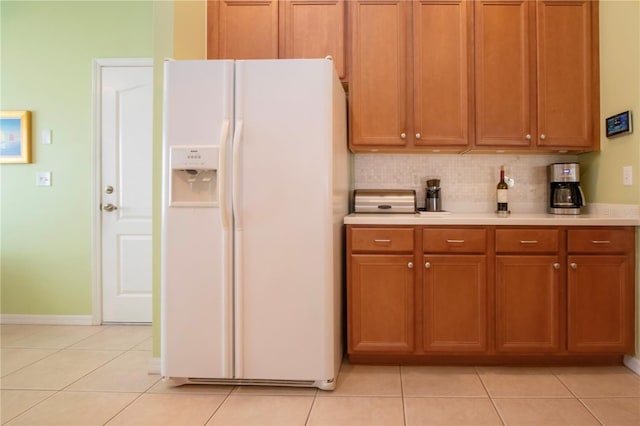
(384, 201)
(433, 202)
(565, 194)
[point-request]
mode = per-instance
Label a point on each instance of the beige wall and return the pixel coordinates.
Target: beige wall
(619, 91)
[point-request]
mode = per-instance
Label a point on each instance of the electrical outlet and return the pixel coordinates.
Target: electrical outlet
(43, 179)
(627, 176)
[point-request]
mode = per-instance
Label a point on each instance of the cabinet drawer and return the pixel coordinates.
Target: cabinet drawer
(601, 240)
(451, 240)
(382, 239)
(527, 240)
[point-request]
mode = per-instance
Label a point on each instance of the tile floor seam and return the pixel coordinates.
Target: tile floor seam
(493, 404)
(589, 411)
(313, 404)
(90, 372)
(31, 407)
(123, 408)
(404, 406)
(226, 397)
(29, 365)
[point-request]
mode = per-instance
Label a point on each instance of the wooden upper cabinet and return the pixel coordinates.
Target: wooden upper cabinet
(537, 84)
(565, 80)
(314, 29)
(242, 29)
(378, 74)
(411, 75)
(442, 72)
(505, 101)
(277, 29)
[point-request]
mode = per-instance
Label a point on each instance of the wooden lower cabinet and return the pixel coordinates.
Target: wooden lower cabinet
(485, 294)
(528, 303)
(455, 303)
(381, 303)
(600, 308)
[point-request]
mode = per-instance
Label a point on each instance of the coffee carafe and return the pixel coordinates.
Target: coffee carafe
(433, 202)
(565, 194)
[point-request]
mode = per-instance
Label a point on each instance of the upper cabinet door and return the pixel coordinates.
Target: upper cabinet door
(442, 72)
(242, 29)
(565, 80)
(313, 29)
(505, 83)
(378, 75)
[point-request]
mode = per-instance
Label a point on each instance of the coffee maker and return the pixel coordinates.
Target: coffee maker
(565, 194)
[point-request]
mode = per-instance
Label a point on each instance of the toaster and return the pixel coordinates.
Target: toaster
(384, 200)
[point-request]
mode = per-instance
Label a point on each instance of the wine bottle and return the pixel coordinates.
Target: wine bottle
(502, 195)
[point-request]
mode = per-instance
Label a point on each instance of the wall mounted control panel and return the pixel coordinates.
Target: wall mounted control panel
(619, 124)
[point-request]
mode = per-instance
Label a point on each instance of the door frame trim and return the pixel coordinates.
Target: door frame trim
(96, 178)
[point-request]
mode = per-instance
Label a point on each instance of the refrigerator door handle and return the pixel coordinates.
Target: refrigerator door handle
(235, 193)
(237, 246)
(222, 172)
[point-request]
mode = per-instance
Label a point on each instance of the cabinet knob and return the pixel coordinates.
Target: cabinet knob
(574, 266)
(427, 265)
(403, 135)
(543, 136)
(418, 135)
(556, 265)
(410, 265)
(527, 137)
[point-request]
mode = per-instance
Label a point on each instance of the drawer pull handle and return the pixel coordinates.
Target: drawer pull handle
(382, 241)
(528, 241)
(601, 242)
(574, 266)
(556, 265)
(427, 265)
(410, 265)
(455, 241)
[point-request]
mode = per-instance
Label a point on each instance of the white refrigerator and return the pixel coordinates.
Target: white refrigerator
(255, 188)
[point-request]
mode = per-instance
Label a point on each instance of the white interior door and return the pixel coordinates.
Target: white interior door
(125, 117)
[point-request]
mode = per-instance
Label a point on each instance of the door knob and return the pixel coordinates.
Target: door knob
(109, 207)
(403, 135)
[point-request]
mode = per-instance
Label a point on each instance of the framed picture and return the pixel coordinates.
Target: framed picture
(15, 137)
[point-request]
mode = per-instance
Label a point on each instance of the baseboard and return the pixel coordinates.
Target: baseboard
(46, 319)
(154, 366)
(632, 363)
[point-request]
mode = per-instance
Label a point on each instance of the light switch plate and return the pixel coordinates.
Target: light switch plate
(46, 137)
(627, 176)
(43, 179)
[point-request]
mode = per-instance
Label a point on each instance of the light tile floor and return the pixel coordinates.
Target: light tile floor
(77, 375)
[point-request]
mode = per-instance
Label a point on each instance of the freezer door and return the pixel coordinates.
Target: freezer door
(285, 293)
(196, 281)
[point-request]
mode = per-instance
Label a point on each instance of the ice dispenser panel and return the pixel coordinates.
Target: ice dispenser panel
(194, 176)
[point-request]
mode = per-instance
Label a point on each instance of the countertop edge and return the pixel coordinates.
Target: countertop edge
(522, 219)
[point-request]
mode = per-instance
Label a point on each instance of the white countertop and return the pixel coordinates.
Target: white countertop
(530, 219)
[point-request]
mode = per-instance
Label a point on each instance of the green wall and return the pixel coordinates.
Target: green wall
(47, 49)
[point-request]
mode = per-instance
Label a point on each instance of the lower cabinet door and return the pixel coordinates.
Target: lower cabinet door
(380, 304)
(601, 305)
(455, 303)
(527, 303)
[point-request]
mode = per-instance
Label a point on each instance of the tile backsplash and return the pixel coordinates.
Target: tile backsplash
(468, 181)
